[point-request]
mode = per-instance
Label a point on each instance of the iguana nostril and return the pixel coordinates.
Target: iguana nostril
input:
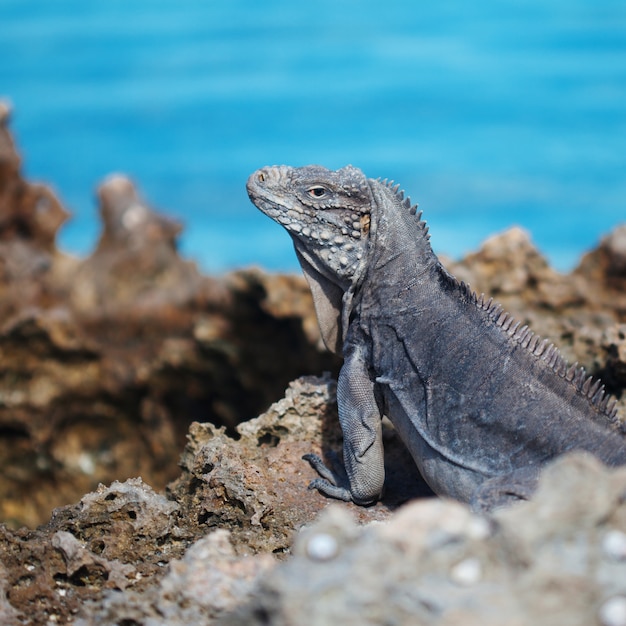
(261, 177)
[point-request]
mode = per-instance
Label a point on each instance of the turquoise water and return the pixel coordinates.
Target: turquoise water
(489, 114)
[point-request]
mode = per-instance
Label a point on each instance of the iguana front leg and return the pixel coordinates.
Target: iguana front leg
(360, 419)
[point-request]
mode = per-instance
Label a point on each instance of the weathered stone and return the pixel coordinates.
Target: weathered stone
(540, 562)
(115, 538)
(613, 343)
(208, 581)
(604, 272)
(510, 268)
(256, 484)
(106, 361)
(30, 216)
(135, 264)
(124, 536)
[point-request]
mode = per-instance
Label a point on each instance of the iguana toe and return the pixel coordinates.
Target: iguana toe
(333, 484)
(326, 488)
(319, 466)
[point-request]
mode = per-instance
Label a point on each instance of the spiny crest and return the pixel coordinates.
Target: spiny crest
(588, 386)
(406, 203)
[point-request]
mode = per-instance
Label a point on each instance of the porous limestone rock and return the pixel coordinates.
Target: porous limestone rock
(558, 559)
(101, 382)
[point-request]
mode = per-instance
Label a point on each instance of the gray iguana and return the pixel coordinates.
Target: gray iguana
(480, 401)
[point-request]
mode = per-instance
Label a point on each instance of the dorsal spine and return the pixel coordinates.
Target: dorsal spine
(588, 386)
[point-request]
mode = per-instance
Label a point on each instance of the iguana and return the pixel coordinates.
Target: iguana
(481, 402)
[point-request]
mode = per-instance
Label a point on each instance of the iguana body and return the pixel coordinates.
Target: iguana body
(481, 403)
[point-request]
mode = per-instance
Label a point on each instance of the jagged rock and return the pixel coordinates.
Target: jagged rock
(78, 558)
(510, 268)
(117, 537)
(135, 264)
(615, 246)
(256, 483)
(208, 581)
(28, 212)
(30, 216)
(614, 345)
(123, 536)
(9, 616)
(107, 360)
(610, 256)
(557, 559)
(604, 270)
(67, 413)
(432, 562)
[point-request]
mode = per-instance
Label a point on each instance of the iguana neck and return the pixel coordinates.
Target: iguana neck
(400, 255)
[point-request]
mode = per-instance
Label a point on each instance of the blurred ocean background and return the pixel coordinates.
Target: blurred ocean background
(488, 113)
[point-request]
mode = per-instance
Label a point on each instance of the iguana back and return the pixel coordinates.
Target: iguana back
(481, 402)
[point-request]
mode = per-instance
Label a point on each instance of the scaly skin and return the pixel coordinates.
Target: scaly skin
(481, 403)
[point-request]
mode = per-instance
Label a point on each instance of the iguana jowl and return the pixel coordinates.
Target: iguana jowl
(480, 401)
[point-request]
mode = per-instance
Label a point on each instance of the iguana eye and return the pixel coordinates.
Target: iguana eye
(317, 191)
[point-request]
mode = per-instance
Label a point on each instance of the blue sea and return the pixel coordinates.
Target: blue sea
(488, 113)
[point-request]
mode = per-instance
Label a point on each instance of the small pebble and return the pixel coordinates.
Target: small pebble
(613, 612)
(467, 572)
(322, 547)
(614, 544)
(478, 528)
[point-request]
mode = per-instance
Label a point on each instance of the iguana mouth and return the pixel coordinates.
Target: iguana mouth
(270, 203)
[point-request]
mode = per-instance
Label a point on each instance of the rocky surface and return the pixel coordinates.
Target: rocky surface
(132, 552)
(113, 365)
(554, 560)
(105, 361)
(217, 547)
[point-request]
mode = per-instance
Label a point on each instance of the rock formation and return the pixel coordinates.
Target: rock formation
(114, 365)
(107, 360)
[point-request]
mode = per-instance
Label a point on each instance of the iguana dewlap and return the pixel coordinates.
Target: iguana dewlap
(480, 401)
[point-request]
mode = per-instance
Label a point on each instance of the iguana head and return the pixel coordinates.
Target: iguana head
(327, 214)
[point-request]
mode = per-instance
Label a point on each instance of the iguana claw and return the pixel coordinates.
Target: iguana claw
(331, 483)
(330, 490)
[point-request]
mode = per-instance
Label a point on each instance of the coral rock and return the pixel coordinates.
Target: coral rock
(547, 561)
